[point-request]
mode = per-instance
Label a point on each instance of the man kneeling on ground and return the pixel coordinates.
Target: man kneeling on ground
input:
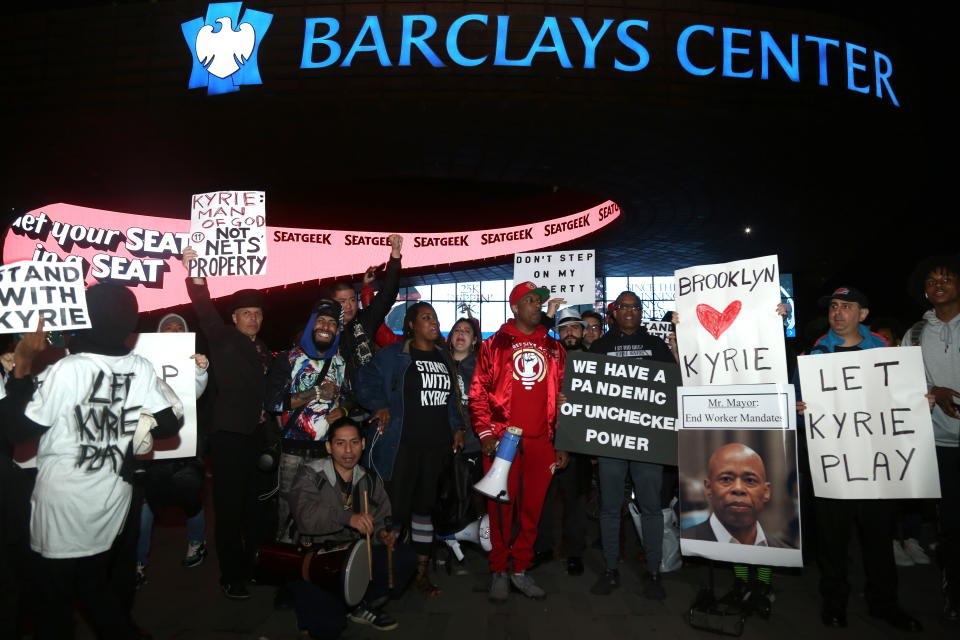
(326, 500)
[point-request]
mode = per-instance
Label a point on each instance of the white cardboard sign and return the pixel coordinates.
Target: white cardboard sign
(169, 353)
(228, 230)
(567, 274)
(869, 433)
(50, 290)
(729, 331)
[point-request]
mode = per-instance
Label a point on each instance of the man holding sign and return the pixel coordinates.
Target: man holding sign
(847, 308)
(630, 340)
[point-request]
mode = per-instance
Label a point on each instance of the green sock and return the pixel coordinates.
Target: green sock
(764, 574)
(741, 572)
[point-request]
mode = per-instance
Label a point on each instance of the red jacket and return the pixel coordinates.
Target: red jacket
(384, 335)
(493, 379)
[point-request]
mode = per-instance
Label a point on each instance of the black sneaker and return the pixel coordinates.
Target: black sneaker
(898, 619)
(541, 557)
(606, 583)
(734, 601)
(574, 566)
(760, 599)
(653, 587)
(235, 590)
(377, 619)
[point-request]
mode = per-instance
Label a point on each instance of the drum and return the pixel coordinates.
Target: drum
(342, 570)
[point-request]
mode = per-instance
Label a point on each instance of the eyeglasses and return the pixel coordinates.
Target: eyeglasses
(628, 307)
(592, 327)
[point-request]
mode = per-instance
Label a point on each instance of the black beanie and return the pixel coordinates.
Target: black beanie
(246, 298)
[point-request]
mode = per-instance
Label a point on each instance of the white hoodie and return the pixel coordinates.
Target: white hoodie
(940, 343)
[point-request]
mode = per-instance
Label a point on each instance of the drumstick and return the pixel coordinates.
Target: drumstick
(366, 510)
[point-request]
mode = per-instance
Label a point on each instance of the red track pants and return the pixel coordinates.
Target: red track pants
(533, 461)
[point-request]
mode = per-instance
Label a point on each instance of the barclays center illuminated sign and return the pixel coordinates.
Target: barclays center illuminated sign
(224, 46)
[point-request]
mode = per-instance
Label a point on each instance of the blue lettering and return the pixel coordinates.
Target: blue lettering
(882, 76)
(767, 46)
(855, 66)
(643, 57)
(503, 25)
(590, 42)
(310, 39)
(372, 26)
(822, 44)
(729, 51)
(551, 27)
(407, 39)
(453, 49)
(684, 57)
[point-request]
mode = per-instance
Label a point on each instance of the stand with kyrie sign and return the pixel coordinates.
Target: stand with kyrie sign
(619, 408)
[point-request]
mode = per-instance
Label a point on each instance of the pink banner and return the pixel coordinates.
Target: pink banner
(142, 251)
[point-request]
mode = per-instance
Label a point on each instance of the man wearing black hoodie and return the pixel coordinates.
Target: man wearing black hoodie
(240, 363)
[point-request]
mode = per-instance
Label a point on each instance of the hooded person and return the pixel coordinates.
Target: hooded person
(311, 400)
(80, 526)
(176, 482)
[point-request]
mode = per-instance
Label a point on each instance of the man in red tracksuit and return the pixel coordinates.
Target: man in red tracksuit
(516, 382)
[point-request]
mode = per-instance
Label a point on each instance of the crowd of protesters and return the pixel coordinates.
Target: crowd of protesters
(350, 434)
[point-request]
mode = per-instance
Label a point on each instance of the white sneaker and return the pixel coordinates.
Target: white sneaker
(915, 551)
(141, 575)
(900, 556)
(196, 552)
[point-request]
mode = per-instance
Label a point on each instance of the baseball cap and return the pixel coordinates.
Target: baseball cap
(847, 294)
(327, 307)
(524, 288)
(569, 316)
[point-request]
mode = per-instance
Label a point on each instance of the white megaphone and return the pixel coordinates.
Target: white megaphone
(473, 532)
(494, 484)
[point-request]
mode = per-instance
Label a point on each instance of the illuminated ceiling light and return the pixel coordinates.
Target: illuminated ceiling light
(747, 230)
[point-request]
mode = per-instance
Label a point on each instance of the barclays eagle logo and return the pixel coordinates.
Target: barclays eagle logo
(224, 55)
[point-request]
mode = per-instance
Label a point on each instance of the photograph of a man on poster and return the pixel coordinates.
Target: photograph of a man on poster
(736, 488)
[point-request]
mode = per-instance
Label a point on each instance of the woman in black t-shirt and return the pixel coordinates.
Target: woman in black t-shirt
(413, 387)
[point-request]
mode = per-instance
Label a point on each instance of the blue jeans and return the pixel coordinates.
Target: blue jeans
(647, 482)
(195, 531)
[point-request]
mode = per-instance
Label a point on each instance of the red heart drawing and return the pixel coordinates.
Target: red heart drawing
(715, 322)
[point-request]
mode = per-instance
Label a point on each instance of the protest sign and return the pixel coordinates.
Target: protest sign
(738, 474)
(619, 408)
(567, 274)
(729, 331)
(740, 406)
(33, 290)
(869, 433)
(659, 328)
(169, 353)
(228, 230)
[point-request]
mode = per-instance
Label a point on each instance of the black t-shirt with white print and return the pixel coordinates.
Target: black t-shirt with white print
(426, 387)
